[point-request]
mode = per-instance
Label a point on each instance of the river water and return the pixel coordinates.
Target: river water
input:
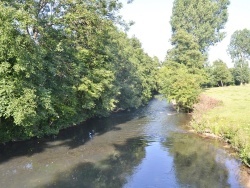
(145, 148)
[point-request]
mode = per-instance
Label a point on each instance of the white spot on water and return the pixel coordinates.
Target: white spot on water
(28, 166)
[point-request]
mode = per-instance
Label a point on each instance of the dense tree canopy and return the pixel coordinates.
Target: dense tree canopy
(201, 18)
(62, 62)
(186, 51)
(179, 86)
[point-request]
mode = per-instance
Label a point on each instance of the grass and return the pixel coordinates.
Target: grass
(225, 112)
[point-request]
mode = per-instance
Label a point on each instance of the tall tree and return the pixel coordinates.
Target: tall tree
(201, 18)
(196, 25)
(186, 51)
(239, 49)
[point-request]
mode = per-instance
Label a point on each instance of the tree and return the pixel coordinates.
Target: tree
(134, 71)
(221, 73)
(62, 62)
(239, 49)
(186, 51)
(179, 86)
(196, 25)
(201, 18)
(241, 73)
(19, 75)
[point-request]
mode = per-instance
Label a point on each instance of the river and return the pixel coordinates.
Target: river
(145, 148)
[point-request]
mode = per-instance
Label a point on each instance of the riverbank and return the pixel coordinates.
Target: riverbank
(224, 112)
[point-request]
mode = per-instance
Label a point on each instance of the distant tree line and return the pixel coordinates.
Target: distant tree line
(239, 49)
(196, 25)
(62, 62)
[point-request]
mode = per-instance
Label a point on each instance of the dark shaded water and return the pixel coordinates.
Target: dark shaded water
(145, 148)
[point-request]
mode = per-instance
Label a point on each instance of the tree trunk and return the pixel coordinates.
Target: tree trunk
(221, 83)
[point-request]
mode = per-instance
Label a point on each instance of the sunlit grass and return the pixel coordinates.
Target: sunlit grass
(230, 120)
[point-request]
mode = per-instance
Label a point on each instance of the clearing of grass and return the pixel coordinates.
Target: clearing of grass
(225, 112)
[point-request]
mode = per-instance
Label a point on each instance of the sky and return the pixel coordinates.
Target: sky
(152, 26)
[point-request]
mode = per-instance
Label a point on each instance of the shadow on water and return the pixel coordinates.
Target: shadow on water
(146, 147)
(110, 172)
(71, 137)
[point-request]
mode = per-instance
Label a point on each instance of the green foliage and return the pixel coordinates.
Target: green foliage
(186, 51)
(179, 86)
(64, 62)
(221, 74)
(195, 25)
(134, 72)
(239, 49)
(201, 18)
(241, 73)
(209, 80)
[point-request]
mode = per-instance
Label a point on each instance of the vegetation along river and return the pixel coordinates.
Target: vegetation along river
(147, 148)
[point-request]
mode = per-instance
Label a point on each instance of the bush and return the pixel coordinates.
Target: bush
(179, 86)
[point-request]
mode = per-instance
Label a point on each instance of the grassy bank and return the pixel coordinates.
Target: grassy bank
(225, 112)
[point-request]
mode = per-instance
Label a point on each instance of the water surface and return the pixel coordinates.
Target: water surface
(147, 148)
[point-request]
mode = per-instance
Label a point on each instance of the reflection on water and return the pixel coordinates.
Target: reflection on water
(185, 161)
(155, 170)
(196, 162)
(110, 172)
(147, 147)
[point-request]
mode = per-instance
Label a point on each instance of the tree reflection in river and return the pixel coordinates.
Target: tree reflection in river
(111, 172)
(196, 168)
(143, 148)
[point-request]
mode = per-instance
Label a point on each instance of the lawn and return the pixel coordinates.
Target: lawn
(228, 118)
